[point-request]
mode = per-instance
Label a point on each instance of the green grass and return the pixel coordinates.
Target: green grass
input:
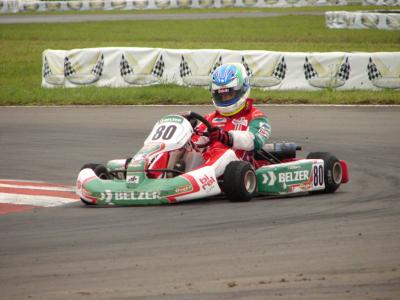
(22, 46)
(170, 94)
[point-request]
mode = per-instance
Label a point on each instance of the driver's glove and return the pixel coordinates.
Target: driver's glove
(218, 134)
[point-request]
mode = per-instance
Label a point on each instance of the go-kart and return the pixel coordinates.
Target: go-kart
(274, 170)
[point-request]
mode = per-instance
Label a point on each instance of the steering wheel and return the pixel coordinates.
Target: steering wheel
(190, 115)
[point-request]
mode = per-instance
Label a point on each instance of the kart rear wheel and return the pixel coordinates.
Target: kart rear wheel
(332, 171)
(240, 181)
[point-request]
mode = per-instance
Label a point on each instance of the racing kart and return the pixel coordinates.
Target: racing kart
(274, 170)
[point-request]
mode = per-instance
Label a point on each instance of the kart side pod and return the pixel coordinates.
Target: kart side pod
(305, 175)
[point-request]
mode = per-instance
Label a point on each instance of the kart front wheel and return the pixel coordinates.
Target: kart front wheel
(240, 181)
(99, 169)
(101, 172)
(333, 172)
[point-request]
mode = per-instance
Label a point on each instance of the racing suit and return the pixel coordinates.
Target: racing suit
(249, 130)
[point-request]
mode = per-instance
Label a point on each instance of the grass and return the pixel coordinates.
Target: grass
(22, 46)
(170, 94)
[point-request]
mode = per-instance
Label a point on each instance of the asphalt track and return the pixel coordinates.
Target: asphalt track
(340, 246)
(75, 18)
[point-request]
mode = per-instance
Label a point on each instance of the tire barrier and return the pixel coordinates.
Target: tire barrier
(389, 20)
(130, 67)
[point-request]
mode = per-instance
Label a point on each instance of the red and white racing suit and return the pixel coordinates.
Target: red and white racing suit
(249, 130)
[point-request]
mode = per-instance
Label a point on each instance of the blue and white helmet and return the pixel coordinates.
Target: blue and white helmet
(230, 88)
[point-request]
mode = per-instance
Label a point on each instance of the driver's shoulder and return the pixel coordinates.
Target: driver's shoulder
(211, 116)
(255, 113)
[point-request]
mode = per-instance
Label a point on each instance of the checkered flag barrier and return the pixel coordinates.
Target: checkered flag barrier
(246, 66)
(309, 71)
(344, 71)
(98, 68)
(184, 68)
(159, 67)
(280, 69)
(68, 69)
(46, 68)
(125, 68)
(373, 72)
(216, 65)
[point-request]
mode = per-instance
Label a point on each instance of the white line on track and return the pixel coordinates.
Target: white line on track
(44, 201)
(44, 188)
(35, 193)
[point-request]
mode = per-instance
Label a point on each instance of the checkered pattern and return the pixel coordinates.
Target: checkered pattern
(248, 70)
(373, 72)
(159, 67)
(125, 68)
(309, 71)
(46, 68)
(280, 69)
(68, 69)
(184, 68)
(98, 68)
(344, 71)
(216, 65)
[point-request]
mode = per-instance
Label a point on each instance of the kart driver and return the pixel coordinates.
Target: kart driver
(238, 127)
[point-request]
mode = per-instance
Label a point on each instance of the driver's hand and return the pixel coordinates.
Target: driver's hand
(186, 115)
(220, 135)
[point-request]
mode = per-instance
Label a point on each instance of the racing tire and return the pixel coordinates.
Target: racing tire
(240, 181)
(99, 169)
(332, 171)
(102, 172)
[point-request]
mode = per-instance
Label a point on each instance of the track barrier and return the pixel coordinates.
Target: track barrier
(129, 67)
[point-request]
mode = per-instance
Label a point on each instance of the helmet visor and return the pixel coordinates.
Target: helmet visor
(226, 96)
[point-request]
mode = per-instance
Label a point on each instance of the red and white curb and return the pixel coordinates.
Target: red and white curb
(17, 195)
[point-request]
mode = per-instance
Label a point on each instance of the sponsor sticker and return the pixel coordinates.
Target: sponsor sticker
(207, 182)
(302, 187)
(264, 132)
(295, 167)
(219, 120)
(294, 176)
(107, 196)
(133, 179)
(183, 189)
(240, 124)
(173, 119)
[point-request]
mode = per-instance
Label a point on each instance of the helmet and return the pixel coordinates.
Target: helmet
(230, 88)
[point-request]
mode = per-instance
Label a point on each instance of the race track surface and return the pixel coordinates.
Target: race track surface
(340, 246)
(75, 18)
